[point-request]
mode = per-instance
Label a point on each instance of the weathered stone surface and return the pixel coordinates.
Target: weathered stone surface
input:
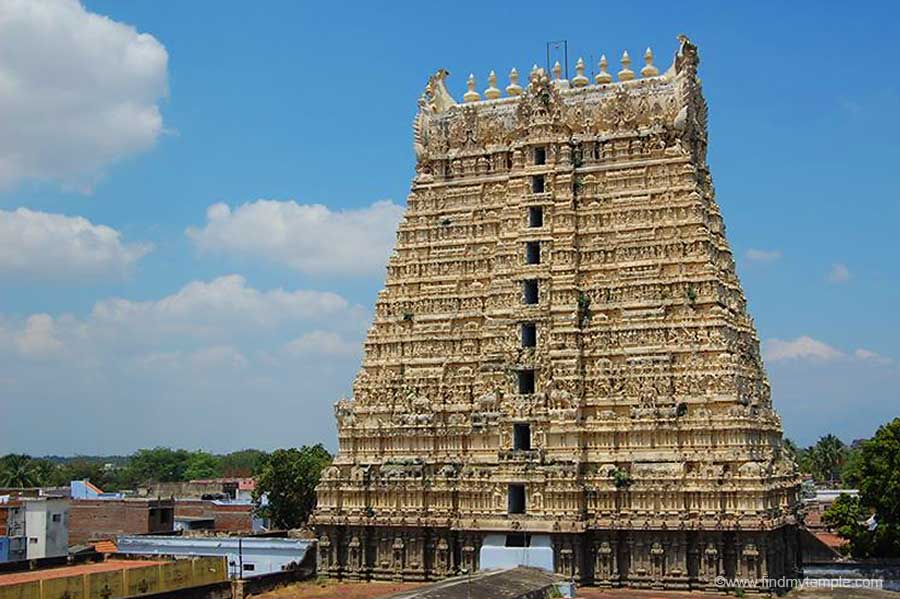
(655, 457)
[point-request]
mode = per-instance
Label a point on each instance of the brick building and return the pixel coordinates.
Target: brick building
(228, 516)
(92, 519)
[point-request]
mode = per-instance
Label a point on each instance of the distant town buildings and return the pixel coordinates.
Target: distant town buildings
(33, 527)
(96, 519)
(46, 526)
(220, 504)
(13, 542)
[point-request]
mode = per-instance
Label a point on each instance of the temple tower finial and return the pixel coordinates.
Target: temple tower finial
(579, 80)
(513, 89)
(492, 92)
(603, 76)
(471, 95)
(626, 74)
(649, 70)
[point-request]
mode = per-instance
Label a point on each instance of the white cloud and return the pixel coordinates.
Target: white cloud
(185, 366)
(323, 343)
(78, 91)
(309, 238)
(838, 274)
(806, 348)
(214, 357)
(38, 339)
(213, 308)
(204, 324)
(54, 246)
(756, 255)
(870, 356)
(801, 348)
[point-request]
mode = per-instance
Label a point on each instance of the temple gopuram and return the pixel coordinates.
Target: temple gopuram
(561, 368)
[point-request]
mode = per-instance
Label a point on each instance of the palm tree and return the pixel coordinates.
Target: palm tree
(829, 454)
(18, 471)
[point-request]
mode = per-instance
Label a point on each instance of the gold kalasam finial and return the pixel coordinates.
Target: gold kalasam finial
(534, 74)
(492, 93)
(513, 89)
(603, 76)
(649, 70)
(579, 80)
(471, 95)
(626, 74)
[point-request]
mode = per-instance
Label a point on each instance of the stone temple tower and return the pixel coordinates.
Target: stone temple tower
(561, 367)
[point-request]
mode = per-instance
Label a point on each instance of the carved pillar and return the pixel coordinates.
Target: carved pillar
(355, 551)
(468, 553)
(398, 561)
(325, 552)
(442, 557)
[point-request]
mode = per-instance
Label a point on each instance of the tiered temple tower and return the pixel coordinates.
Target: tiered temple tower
(562, 353)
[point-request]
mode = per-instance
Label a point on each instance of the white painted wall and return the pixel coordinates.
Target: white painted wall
(496, 555)
(46, 527)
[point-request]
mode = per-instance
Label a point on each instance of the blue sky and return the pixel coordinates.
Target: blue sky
(167, 278)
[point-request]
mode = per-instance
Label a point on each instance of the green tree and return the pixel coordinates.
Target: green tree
(20, 470)
(828, 457)
(790, 448)
(851, 473)
(201, 464)
(159, 464)
(245, 462)
(288, 479)
(846, 517)
(800, 455)
(81, 468)
(879, 495)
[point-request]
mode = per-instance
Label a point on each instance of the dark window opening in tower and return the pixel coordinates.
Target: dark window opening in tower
(533, 252)
(522, 436)
(526, 382)
(530, 289)
(516, 504)
(529, 334)
(537, 184)
(535, 217)
(540, 155)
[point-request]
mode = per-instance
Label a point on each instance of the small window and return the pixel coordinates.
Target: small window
(540, 155)
(522, 437)
(530, 289)
(533, 252)
(57, 517)
(537, 184)
(529, 334)
(33, 540)
(535, 216)
(526, 382)
(519, 539)
(249, 567)
(516, 503)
